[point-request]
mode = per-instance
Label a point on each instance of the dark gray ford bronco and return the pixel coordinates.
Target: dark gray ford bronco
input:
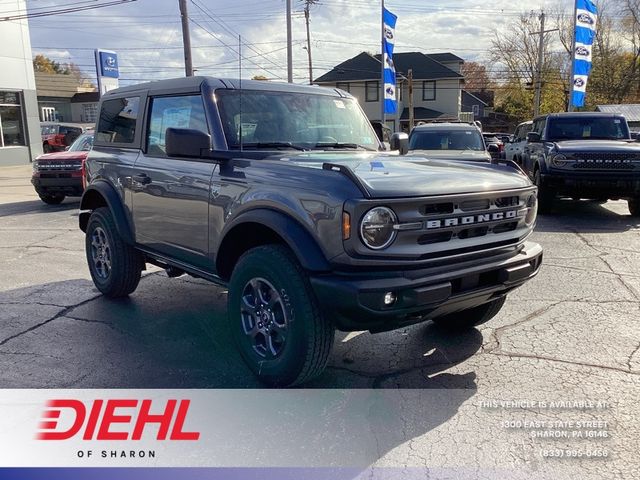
(280, 193)
(583, 155)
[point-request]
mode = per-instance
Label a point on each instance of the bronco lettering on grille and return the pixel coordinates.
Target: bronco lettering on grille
(470, 219)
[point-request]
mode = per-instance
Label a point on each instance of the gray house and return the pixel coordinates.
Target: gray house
(631, 112)
(437, 85)
(474, 104)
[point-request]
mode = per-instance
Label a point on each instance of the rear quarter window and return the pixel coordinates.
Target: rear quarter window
(118, 120)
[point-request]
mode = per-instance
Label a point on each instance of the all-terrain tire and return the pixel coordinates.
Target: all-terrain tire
(471, 317)
(51, 199)
(115, 266)
(545, 196)
(269, 289)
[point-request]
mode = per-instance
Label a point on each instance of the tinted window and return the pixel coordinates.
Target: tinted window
(173, 112)
(83, 143)
(446, 140)
(585, 127)
(117, 122)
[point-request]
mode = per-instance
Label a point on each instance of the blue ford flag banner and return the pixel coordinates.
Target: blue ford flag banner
(586, 16)
(389, 70)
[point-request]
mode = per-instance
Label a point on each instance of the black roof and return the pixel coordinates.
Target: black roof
(421, 113)
(86, 97)
(193, 84)
(445, 57)
(365, 66)
(581, 114)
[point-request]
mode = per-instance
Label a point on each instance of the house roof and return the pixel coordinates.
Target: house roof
(365, 66)
(474, 98)
(58, 85)
(444, 57)
(631, 111)
(421, 113)
(86, 97)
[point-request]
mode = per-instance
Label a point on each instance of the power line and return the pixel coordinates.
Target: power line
(62, 11)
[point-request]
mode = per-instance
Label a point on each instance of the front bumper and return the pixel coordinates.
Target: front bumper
(355, 301)
(596, 184)
(66, 183)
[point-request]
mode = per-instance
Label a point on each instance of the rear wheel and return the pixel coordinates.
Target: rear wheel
(46, 148)
(51, 199)
(634, 206)
(545, 196)
(471, 317)
(115, 266)
(275, 318)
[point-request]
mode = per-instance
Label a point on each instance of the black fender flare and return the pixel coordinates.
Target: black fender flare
(101, 193)
(297, 238)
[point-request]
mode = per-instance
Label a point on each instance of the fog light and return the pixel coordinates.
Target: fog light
(390, 298)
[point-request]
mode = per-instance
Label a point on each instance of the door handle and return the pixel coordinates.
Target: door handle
(142, 178)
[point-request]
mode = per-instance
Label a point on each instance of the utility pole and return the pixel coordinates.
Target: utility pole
(411, 116)
(186, 38)
(538, 94)
(289, 46)
(307, 6)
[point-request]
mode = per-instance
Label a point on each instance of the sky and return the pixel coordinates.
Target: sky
(147, 35)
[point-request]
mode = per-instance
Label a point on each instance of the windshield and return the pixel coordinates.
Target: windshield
(293, 120)
(82, 144)
(446, 140)
(596, 128)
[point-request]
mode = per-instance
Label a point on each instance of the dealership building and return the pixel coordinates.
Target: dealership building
(19, 117)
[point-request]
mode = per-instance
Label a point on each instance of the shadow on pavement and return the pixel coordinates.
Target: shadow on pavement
(570, 215)
(37, 206)
(171, 333)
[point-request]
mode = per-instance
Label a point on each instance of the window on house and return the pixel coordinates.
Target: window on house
(11, 127)
(476, 110)
(89, 112)
(372, 91)
(343, 86)
(428, 90)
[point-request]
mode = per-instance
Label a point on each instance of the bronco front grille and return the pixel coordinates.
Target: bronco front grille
(604, 165)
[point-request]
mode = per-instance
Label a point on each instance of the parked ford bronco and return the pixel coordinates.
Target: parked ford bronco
(583, 155)
(280, 193)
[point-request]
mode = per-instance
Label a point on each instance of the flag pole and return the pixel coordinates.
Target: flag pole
(382, 110)
(570, 106)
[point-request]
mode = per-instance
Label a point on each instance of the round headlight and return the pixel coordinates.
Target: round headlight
(532, 209)
(376, 228)
(559, 160)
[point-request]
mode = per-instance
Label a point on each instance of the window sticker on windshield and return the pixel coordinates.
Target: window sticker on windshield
(616, 120)
(339, 103)
(586, 132)
(468, 133)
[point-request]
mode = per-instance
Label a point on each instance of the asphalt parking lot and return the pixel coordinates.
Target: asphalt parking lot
(572, 333)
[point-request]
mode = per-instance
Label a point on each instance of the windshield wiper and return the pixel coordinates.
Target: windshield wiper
(341, 145)
(274, 145)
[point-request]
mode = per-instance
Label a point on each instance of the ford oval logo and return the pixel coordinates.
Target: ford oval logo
(585, 18)
(388, 33)
(582, 51)
(578, 82)
(390, 91)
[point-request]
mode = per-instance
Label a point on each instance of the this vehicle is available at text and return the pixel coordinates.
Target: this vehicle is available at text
(583, 155)
(280, 193)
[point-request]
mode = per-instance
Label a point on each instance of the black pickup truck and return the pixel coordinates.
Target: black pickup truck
(280, 193)
(583, 155)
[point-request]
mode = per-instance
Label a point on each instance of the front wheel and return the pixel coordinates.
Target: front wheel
(634, 206)
(471, 317)
(115, 266)
(51, 199)
(275, 318)
(545, 196)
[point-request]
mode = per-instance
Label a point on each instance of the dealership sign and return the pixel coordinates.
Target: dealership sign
(107, 70)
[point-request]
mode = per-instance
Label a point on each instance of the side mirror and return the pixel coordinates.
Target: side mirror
(533, 137)
(493, 148)
(186, 142)
(399, 141)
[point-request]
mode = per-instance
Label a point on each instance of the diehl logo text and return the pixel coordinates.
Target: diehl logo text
(471, 219)
(121, 419)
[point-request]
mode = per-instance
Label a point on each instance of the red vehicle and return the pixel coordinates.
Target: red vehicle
(56, 136)
(60, 174)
